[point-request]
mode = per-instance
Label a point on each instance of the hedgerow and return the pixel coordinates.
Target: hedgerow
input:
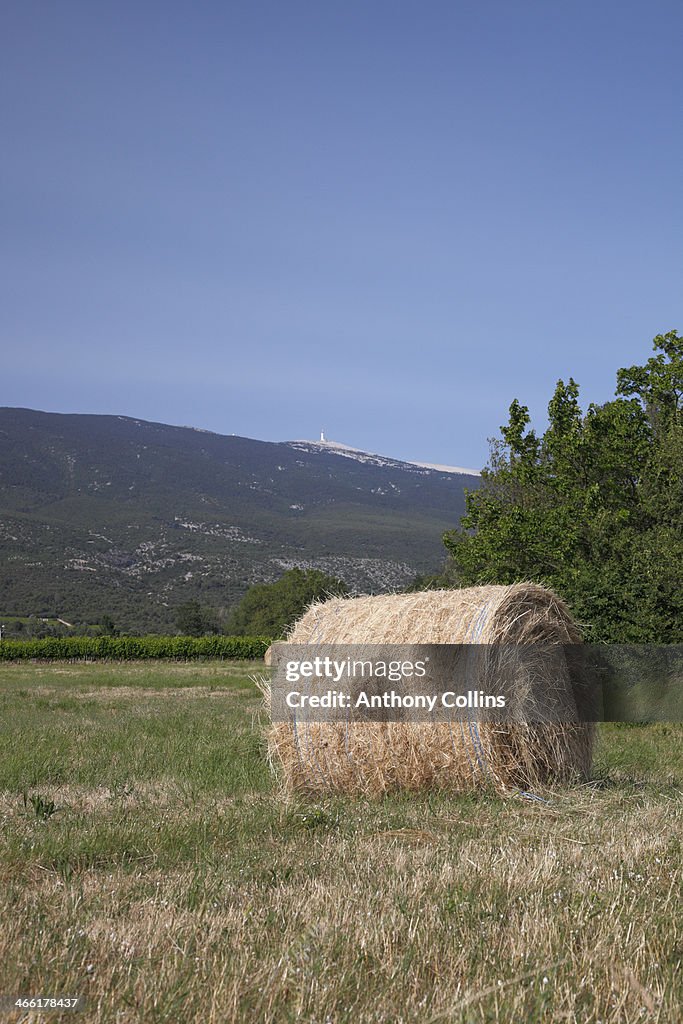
(133, 648)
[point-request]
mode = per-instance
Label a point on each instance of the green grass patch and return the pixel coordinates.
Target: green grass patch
(149, 863)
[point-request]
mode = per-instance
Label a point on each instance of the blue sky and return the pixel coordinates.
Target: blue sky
(387, 219)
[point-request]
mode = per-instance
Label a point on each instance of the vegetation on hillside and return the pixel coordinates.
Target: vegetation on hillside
(34, 627)
(105, 515)
(593, 507)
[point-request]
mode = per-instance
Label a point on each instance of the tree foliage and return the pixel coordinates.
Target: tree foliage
(593, 507)
(194, 620)
(446, 579)
(267, 609)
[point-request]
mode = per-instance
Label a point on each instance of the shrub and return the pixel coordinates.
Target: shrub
(133, 648)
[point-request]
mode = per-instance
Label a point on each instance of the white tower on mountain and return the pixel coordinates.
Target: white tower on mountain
(322, 435)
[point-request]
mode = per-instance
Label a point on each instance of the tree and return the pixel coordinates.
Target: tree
(594, 507)
(107, 624)
(194, 620)
(444, 580)
(268, 609)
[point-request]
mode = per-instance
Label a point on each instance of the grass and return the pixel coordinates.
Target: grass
(148, 863)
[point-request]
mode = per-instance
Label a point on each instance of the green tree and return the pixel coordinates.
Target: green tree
(268, 609)
(108, 626)
(443, 580)
(594, 507)
(194, 620)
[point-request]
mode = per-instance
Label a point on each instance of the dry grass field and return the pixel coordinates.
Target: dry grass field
(149, 865)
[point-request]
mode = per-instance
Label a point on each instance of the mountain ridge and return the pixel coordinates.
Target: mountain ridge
(362, 455)
(128, 517)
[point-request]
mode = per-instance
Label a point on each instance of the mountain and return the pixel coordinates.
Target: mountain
(108, 514)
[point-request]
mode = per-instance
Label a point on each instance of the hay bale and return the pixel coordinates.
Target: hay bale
(373, 758)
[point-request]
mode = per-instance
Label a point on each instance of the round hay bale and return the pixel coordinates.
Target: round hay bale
(374, 757)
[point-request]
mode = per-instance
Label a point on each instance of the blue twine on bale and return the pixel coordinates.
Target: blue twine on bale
(472, 637)
(473, 725)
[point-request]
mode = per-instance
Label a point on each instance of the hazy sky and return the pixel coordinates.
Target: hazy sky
(387, 219)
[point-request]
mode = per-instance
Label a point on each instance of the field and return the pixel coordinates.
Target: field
(149, 865)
